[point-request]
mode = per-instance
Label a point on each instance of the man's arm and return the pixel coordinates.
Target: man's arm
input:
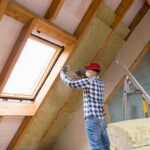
(83, 83)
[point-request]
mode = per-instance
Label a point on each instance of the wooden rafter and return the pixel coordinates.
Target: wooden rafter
(87, 18)
(15, 53)
(121, 11)
(54, 9)
(3, 6)
(24, 15)
(148, 1)
(131, 68)
(139, 16)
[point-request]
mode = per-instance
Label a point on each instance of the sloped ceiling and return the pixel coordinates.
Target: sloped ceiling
(96, 43)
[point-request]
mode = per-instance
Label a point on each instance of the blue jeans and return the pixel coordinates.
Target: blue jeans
(97, 133)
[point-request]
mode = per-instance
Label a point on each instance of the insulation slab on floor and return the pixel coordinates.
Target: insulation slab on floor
(130, 134)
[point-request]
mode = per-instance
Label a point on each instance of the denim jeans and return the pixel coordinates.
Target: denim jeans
(97, 133)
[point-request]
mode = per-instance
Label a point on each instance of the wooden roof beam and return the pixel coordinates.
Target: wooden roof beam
(3, 6)
(24, 15)
(88, 17)
(54, 9)
(121, 11)
(139, 16)
(148, 1)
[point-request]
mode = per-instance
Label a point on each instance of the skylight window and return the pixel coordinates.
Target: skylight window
(31, 69)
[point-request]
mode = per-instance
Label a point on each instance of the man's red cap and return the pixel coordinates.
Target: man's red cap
(93, 66)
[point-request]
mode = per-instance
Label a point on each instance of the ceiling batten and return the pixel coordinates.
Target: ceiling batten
(54, 9)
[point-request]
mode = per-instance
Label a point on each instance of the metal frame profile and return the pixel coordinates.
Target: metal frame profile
(139, 89)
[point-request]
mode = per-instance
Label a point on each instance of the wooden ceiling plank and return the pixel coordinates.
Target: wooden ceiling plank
(15, 53)
(139, 16)
(24, 15)
(88, 17)
(121, 12)
(131, 68)
(3, 6)
(54, 9)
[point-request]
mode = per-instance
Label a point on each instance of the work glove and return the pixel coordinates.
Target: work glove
(79, 73)
(65, 69)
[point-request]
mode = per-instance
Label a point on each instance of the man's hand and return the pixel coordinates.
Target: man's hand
(65, 69)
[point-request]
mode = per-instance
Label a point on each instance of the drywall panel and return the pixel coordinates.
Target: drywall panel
(8, 128)
(71, 14)
(40, 7)
(9, 32)
(74, 135)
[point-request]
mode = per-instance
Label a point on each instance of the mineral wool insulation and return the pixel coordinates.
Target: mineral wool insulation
(130, 134)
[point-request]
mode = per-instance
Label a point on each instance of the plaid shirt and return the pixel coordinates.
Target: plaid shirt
(93, 93)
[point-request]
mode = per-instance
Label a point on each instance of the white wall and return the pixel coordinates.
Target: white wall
(74, 137)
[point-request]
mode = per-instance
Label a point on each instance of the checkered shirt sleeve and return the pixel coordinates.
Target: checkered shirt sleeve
(83, 83)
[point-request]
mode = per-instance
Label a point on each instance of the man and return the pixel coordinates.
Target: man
(93, 105)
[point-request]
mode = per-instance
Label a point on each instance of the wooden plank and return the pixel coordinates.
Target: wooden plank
(54, 9)
(121, 12)
(16, 109)
(139, 16)
(3, 6)
(24, 15)
(88, 17)
(131, 68)
(18, 135)
(15, 53)
(148, 1)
